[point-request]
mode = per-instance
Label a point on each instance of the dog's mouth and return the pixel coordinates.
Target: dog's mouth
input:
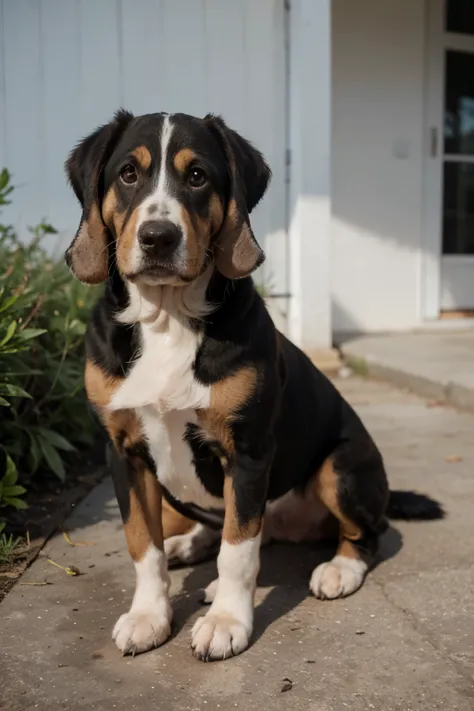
(159, 273)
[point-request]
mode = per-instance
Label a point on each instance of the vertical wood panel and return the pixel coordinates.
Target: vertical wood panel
(61, 104)
(184, 56)
(142, 47)
(2, 87)
(225, 72)
(100, 81)
(265, 125)
(23, 153)
(67, 65)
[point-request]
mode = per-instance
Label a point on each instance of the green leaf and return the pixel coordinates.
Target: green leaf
(29, 333)
(9, 491)
(2, 525)
(4, 179)
(35, 452)
(48, 229)
(13, 390)
(11, 475)
(56, 440)
(9, 302)
(16, 503)
(53, 459)
(4, 403)
(9, 333)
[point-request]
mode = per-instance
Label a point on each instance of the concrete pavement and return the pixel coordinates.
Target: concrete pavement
(437, 365)
(404, 642)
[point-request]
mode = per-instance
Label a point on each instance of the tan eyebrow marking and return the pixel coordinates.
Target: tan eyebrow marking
(143, 157)
(183, 158)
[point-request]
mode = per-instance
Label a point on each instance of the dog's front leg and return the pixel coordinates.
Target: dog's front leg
(148, 622)
(227, 627)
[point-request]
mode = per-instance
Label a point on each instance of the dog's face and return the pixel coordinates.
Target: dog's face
(162, 196)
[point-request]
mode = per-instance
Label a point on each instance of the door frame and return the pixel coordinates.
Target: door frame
(431, 243)
(432, 247)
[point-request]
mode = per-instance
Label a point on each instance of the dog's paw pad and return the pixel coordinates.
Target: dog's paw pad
(338, 578)
(137, 632)
(218, 637)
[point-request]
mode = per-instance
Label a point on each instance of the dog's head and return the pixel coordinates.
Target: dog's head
(162, 195)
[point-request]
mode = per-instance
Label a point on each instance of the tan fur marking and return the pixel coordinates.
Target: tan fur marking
(123, 426)
(230, 394)
(88, 252)
(216, 213)
(100, 387)
(236, 251)
(234, 531)
(198, 236)
(326, 485)
(109, 206)
(144, 525)
(227, 397)
(174, 523)
(348, 550)
(125, 241)
(143, 157)
(195, 245)
(183, 158)
(112, 217)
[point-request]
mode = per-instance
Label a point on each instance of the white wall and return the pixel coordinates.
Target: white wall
(309, 323)
(67, 65)
(378, 83)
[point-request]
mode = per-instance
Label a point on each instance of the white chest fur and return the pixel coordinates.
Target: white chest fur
(162, 388)
(173, 455)
(163, 374)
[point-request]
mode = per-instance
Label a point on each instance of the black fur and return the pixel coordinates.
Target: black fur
(295, 418)
(410, 506)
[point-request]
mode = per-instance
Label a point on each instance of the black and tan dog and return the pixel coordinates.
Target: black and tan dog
(205, 402)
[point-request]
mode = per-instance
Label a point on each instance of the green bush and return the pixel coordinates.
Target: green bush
(43, 314)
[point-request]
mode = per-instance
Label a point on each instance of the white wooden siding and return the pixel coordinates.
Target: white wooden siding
(67, 65)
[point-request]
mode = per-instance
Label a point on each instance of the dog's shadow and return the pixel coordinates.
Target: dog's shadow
(285, 572)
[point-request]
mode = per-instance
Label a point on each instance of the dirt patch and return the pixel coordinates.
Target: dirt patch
(49, 504)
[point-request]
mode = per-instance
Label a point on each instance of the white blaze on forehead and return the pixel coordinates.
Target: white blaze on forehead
(166, 206)
(161, 195)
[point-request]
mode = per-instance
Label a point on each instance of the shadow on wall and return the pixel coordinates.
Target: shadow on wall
(377, 163)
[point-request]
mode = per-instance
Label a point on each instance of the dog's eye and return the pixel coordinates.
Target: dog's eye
(197, 178)
(128, 174)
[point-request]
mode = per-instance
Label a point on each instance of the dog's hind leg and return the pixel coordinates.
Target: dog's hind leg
(196, 545)
(353, 486)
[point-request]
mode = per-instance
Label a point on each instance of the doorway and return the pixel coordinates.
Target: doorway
(450, 174)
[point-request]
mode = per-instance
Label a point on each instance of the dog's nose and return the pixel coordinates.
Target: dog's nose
(159, 238)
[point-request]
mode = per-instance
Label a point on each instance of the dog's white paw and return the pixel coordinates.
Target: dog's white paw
(219, 636)
(138, 631)
(338, 578)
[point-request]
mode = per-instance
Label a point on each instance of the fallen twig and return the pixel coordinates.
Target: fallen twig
(69, 569)
(77, 544)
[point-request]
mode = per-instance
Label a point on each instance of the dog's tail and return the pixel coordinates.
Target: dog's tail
(410, 506)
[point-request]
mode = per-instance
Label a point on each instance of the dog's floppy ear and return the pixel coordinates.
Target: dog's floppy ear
(236, 250)
(87, 257)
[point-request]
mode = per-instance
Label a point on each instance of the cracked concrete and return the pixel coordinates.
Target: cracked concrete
(404, 642)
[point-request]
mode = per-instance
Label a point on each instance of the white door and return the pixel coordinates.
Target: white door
(67, 65)
(451, 138)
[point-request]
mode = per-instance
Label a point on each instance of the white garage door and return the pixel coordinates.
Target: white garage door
(69, 64)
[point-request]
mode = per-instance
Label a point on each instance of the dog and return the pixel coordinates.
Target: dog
(225, 435)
